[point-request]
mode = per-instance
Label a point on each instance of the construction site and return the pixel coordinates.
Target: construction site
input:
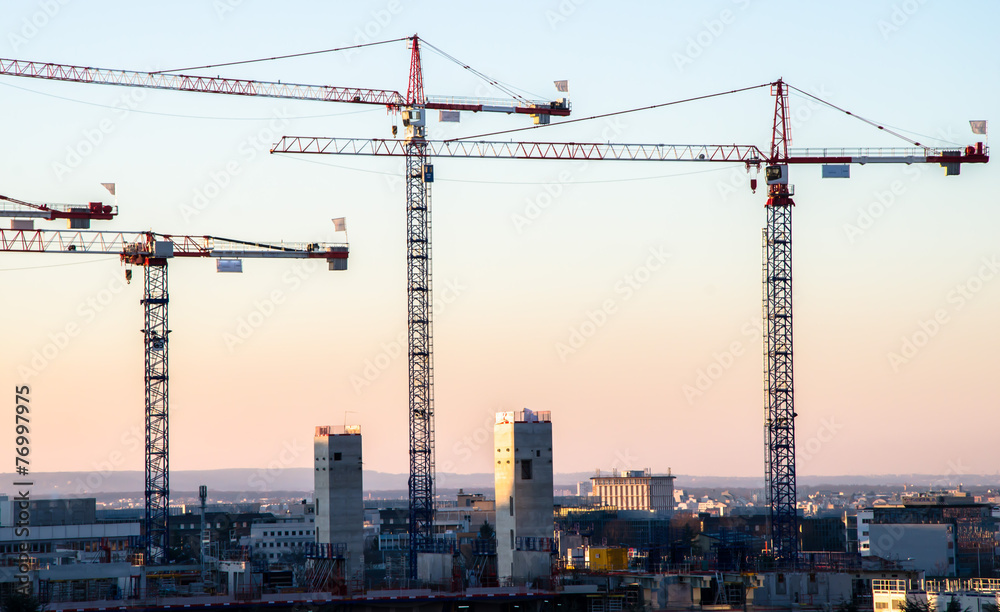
(278, 360)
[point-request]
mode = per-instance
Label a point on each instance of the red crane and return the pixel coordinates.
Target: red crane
(152, 251)
(79, 217)
(419, 173)
(779, 425)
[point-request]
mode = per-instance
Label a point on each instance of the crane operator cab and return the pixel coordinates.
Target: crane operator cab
(776, 175)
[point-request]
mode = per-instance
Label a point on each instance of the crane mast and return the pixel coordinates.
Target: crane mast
(779, 405)
(155, 338)
(420, 310)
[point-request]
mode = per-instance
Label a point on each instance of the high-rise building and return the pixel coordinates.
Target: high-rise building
(635, 490)
(340, 514)
(524, 498)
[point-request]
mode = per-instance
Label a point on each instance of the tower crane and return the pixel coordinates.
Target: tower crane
(151, 252)
(419, 174)
(779, 411)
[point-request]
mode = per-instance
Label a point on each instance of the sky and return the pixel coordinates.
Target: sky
(625, 298)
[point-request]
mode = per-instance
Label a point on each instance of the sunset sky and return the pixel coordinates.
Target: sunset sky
(625, 298)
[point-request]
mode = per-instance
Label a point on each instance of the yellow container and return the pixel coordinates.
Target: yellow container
(603, 559)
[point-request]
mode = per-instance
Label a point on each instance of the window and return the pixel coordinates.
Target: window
(511, 505)
(336, 456)
(526, 469)
(512, 539)
(881, 605)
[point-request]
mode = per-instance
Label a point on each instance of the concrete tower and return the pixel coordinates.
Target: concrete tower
(340, 515)
(523, 481)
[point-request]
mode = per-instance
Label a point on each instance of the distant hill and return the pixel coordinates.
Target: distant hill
(261, 482)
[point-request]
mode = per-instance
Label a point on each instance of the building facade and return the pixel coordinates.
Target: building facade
(635, 490)
(282, 541)
(524, 496)
(340, 511)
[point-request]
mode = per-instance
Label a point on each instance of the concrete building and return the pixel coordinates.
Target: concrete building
(945, 534)
(466, 517)
(280, 542)
(340, 511)
(95, 542)
(524, 496)
(635, 490)
(51, 512)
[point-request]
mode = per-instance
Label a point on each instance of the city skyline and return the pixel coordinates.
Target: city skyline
(622, 298)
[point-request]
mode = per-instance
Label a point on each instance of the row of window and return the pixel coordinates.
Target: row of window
(623, 489)
(218, 525)
(33, 547)
(284, 544)
(883, 605)
(289, 533)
